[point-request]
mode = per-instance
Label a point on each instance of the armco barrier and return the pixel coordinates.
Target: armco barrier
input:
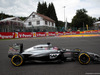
(74, 32)
(90, 31)
(10, 35)
(60, 33)
(7, 35)
(23, 34)
(51, 34)
(40, 34)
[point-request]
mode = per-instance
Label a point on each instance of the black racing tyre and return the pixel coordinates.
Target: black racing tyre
(77, 49)
(84, 58)
(59, 61)
(17, 60)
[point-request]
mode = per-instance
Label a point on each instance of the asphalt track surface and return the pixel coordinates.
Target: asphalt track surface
(91, 44)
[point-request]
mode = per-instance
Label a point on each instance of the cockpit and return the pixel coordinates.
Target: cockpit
(45, 47)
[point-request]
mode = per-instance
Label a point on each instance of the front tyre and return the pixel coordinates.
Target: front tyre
(17, 60)
(84, 59)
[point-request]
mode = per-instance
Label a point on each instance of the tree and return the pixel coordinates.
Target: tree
(61, 24)
(42, 8)
(45, 8)
(3, 16)
(94, 19)
(98, 19)
(52, 13)
(81, 19)
(47, 11)
(22, 18)
(39, 8)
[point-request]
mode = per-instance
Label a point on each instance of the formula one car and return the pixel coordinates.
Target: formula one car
(48, 53)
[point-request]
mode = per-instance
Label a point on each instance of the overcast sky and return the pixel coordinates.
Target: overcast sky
(26, 7)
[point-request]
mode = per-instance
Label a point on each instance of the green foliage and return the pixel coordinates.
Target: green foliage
(98, 19)
(42, 8)
(47, 11)
(39, 8)
(95, 20)
(61, 24)
(3, 16)
(22, 18)
(52, 13)
(81, 18)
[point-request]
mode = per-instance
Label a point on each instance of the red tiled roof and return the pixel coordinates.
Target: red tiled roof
(45, 17)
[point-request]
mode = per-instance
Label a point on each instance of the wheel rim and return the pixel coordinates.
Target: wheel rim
(17, 60)
(77, 49)
(84, 58)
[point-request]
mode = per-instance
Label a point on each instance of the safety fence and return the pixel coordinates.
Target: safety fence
(11, 35)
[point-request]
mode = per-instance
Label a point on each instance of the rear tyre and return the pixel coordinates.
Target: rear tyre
(77, 49)
(84, 59)
(17, 60)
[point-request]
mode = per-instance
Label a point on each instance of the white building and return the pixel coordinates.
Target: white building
(39, 22)
(97, 25)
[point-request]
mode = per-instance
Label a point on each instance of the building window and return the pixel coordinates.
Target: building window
(49, 23)
(38, 22)
(33, 16)
(30, 23)
(52, 24)
(46, 22)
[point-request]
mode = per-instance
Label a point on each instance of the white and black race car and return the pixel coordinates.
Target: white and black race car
(48, 53)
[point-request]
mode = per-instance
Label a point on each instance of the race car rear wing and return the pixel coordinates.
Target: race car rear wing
(16, 48)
